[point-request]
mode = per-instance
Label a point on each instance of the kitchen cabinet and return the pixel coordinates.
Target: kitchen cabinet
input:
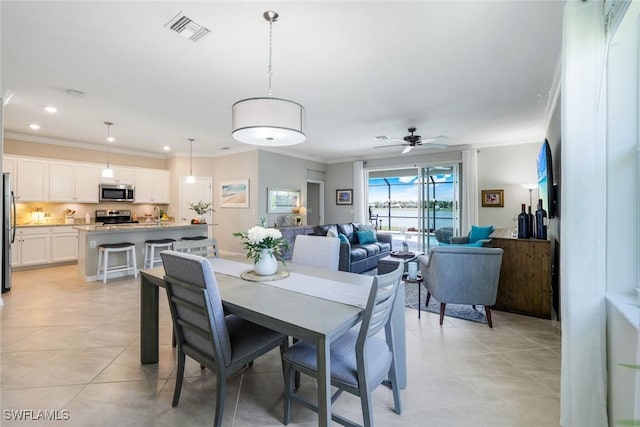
(120, 176)
(151, 186)
(64, 244)
(73, 182)
(31, 247)
(30, 179)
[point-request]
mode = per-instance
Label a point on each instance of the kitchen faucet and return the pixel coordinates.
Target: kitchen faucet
(158, 209)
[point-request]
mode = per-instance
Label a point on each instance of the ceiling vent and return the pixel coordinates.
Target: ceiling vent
(188, 29)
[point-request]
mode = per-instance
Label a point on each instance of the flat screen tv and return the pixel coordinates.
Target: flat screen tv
(545, 179)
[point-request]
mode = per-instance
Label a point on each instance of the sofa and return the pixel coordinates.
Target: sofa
(357, 256)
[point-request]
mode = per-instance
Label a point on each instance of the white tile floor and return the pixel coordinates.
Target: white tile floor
(73, 346)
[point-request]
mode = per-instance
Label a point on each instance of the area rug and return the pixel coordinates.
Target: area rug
(460, 311)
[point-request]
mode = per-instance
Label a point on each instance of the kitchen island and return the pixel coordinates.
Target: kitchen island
(92, 236)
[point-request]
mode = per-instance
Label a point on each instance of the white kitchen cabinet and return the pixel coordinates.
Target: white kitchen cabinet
(31, 180)
(151, 186)
(31, 247)
(10, 166)
(73, 182)
(120, 176)
(64, 244)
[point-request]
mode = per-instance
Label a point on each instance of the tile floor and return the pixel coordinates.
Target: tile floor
(72, 346)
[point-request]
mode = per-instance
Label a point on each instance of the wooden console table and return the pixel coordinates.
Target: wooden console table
(525, 276)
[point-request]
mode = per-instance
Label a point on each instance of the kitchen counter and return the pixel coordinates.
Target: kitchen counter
(90, 236)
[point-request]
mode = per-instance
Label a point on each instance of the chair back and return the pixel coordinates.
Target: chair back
(207, 248)
(379, 305)
(196, 307)
(317, 251)
(462, 275)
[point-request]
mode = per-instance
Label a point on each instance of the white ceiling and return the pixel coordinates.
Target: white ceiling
(481, 72)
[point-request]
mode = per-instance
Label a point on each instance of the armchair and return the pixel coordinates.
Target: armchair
(462, 275)
(478, 236)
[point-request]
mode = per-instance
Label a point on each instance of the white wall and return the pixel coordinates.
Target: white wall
(506, 168)
(339, 177)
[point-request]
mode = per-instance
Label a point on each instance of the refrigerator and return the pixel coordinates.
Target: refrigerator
(8, 229)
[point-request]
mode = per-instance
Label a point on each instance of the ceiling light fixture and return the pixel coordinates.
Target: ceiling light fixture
(191, 179)
(34, 126)
(268, 121)
(108, 172)
(50, 109)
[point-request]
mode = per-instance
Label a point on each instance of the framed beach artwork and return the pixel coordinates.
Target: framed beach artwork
(492, 198)
(282, 200)
(234, 194)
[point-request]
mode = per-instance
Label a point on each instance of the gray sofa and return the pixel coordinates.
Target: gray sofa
(354, 256)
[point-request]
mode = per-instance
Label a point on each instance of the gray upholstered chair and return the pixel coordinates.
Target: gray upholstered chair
(207, 248)
(360, 361)
(478, 236)
(462, 275)
(224, 344)
(317, 251)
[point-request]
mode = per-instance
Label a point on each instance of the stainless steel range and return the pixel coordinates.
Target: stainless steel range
(114, 216)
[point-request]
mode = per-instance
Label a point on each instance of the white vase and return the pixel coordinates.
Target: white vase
(267, 265)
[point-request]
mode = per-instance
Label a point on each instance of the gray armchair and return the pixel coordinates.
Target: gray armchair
(462, 275)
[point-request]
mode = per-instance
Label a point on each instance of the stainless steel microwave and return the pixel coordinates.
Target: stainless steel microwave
(117, 193)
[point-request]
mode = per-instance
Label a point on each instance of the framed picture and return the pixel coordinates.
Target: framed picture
(344, 197)
(234, 194)
(282, 200)
(493, 198)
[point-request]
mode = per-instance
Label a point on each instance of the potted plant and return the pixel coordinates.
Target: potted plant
(265, 246)
(201, 208)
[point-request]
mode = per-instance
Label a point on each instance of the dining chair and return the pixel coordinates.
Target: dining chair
(316, 251)
(359, 360)
(222, 343)
(207, 248)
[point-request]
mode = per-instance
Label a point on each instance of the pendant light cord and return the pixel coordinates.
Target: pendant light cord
(191, 157)
(270, 72)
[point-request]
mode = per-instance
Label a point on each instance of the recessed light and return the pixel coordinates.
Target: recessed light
(73, 92)
(166, 148)
(50, 109)
(34, 126)
(110, 139)
(224, 148)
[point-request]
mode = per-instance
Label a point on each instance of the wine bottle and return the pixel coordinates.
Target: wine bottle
(532, 229)
(541, 222)
(523, 225)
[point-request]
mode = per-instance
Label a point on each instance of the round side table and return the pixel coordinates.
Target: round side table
(418, 281)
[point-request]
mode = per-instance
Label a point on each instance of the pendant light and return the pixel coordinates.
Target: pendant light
(191, 179)
(268, 121)
(108, 172)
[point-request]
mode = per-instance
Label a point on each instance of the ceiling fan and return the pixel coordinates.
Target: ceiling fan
(412, 140)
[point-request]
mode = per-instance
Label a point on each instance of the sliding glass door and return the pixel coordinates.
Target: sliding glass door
(439, 205)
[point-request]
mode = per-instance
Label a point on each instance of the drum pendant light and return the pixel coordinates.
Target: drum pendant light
(268, 121)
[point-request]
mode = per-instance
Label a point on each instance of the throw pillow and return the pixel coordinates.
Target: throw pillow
(478, 233)
(367, 236)
(343, 238)
(332, 232)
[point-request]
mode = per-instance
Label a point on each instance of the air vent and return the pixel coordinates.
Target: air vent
(188, 29)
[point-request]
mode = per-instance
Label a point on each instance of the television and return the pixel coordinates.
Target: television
(545, 179)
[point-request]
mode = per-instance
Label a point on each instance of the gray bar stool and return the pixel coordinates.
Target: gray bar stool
(103, 259)
(150, 254)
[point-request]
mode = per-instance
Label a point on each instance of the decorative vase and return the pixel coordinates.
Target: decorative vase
(267, 265)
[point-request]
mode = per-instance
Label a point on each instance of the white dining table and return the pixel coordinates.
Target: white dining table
(287, 308)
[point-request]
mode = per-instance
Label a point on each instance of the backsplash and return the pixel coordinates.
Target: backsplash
(54, 213)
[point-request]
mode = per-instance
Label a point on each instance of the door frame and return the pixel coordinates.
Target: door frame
(321, 197)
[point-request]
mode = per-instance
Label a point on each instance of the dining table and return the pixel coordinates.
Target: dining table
(312, 304)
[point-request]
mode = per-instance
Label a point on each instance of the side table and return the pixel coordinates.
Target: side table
(418, 281)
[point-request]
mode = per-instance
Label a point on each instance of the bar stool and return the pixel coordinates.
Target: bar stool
(150, 246)
(103, 259)
(194, 238)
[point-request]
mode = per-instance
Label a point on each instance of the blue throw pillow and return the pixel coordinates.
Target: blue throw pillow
(366, 236)
(478, 233)
(343, 238)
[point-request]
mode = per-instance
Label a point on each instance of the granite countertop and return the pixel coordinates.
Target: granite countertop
(57, 224)
(99, 228)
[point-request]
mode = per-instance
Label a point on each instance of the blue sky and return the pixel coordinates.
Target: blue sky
(407, 192)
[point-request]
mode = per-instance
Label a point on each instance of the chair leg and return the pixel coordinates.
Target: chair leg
(393, 379)
(288, 389)
(488, 311)
(221, 390)
(105, 267)
(442, 307)
(367, 409)
(179, 378)
(426, 303)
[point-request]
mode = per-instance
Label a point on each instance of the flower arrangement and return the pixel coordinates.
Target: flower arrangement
(257, 239)
(201, 207)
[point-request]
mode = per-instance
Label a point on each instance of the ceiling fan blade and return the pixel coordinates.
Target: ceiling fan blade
(381, 138)
(433, 138)
(429, 145)
(407, 149)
